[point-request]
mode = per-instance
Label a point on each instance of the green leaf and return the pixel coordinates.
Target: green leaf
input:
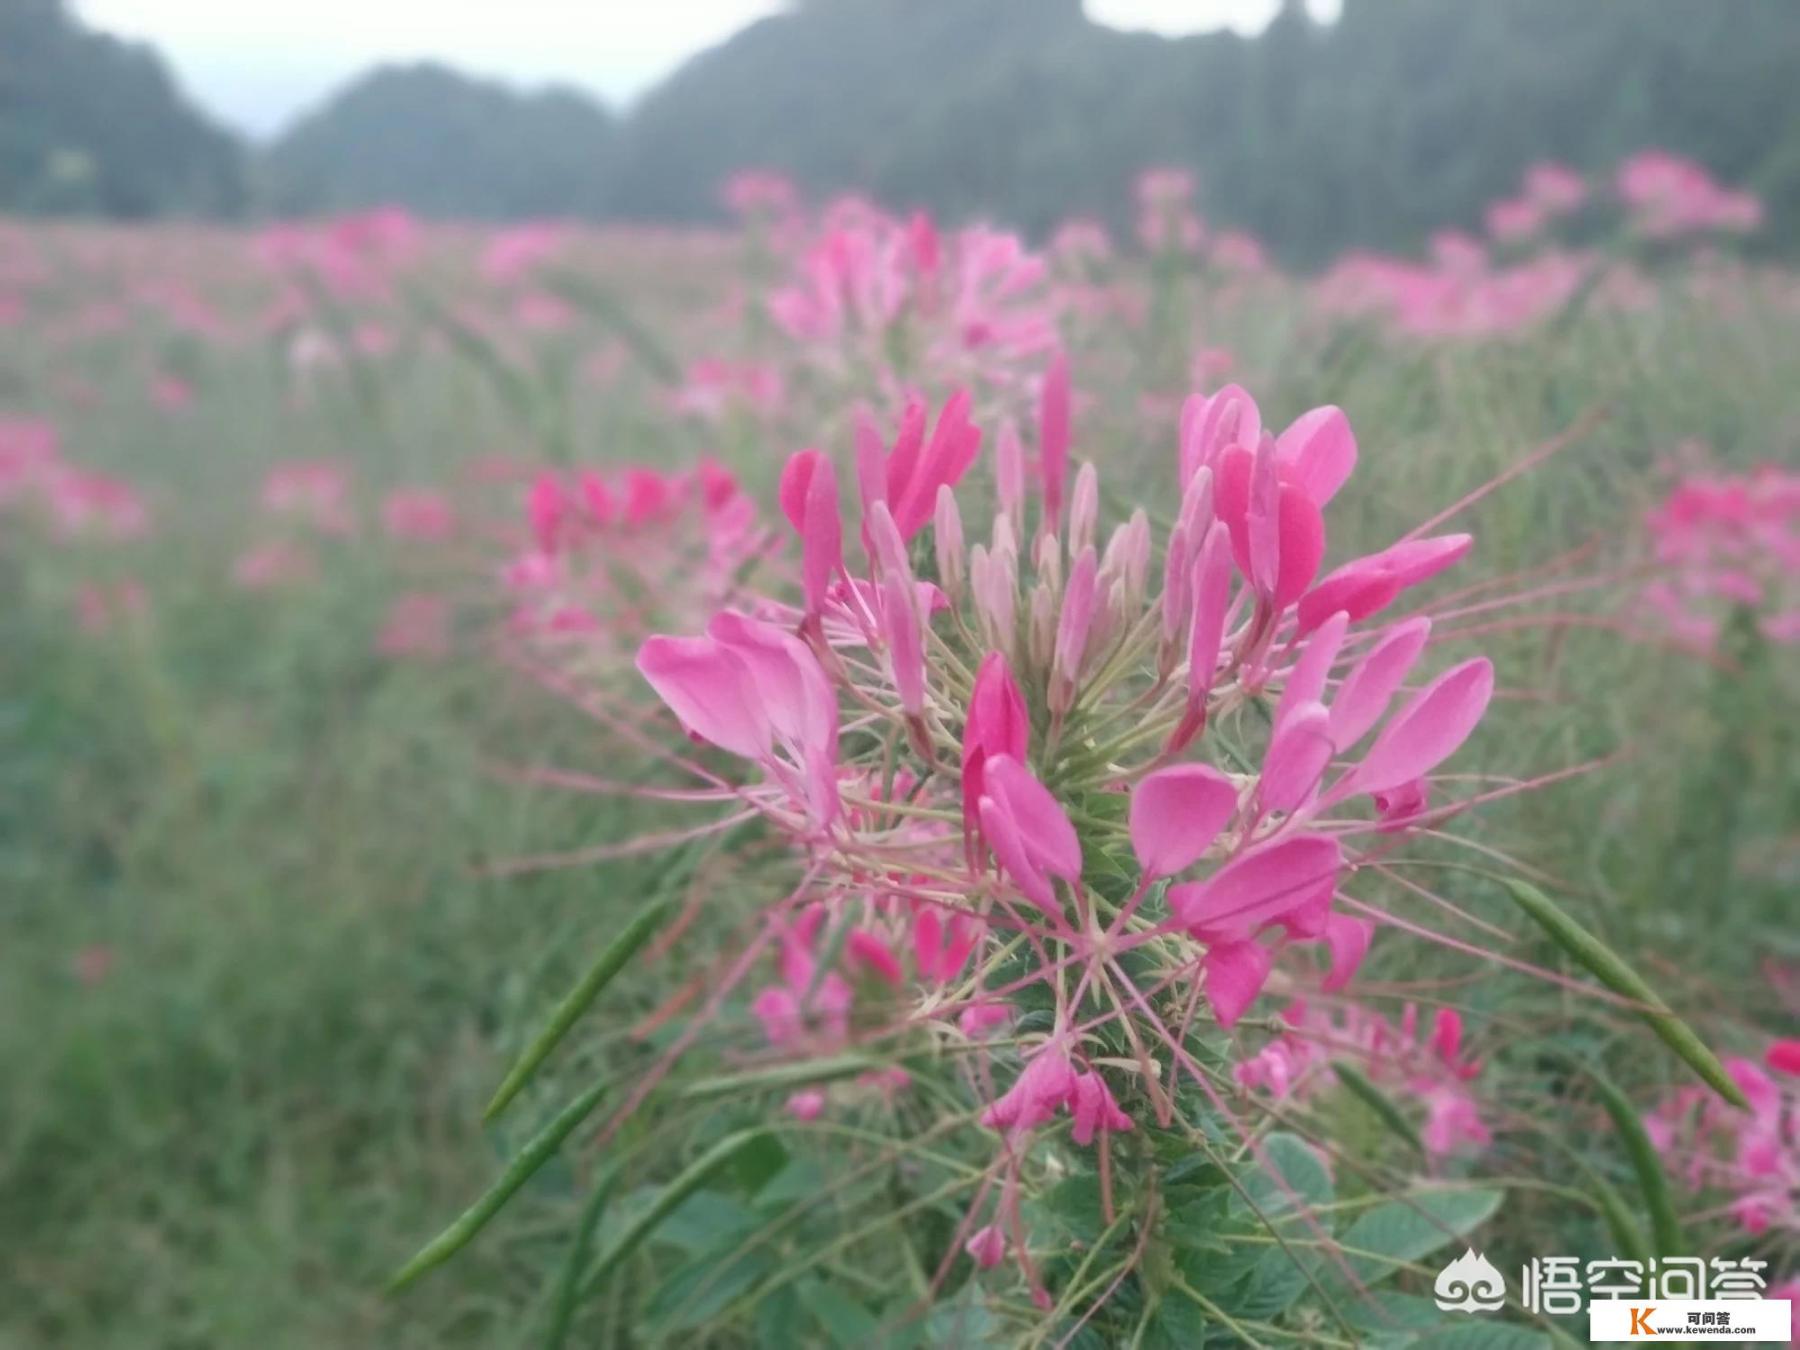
(843, 1319)
(1282, 1274)
(691, 1179)
(1610, 969)
(1405, 1230)
(1178, 1323)
(618, 952)
(707, 1285)
(533, 1156)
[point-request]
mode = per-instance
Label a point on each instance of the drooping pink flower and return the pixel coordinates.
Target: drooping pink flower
(986, 1246)
(1095, 1109)
(1044, 1087)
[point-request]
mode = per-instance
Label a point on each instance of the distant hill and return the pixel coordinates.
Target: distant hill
(445, 145)
(92, 124)
(1403, 116)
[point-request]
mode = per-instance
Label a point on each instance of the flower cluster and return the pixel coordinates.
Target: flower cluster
(609, 556)
(79, 503)
(875, 296)
(1753, 1156)
(1065, 786)
(1726, 541)
(1435, 1073)
(1670, 196)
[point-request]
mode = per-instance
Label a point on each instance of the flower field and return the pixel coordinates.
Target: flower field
(855, 780)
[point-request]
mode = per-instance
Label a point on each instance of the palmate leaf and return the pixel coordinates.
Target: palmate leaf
(1407, 1229)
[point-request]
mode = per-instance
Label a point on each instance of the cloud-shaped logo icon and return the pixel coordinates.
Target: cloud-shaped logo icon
(1470, 1284)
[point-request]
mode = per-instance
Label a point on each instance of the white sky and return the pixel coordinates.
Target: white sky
(255, 63)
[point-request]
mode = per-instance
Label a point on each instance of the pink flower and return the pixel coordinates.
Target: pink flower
(913, 470)
(1044, 1087)
(1094, 1109)
(758, 692)
(417, 625)
(997, 724)
(418, 513)
(1028, 830)
(269, 566)
(313, 491)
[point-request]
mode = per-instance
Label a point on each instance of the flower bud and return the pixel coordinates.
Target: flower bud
(1009, 473)
(1084, 508)
(948, 536)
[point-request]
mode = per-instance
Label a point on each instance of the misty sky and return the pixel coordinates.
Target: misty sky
(255, 63)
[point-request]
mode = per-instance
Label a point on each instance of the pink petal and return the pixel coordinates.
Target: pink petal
(903, 460)
(1002, 835)
(789, 686)
(1176, 813)
(821, 535)
(1783, 1057)
(1257, 887)
(709, 690)
(1234, 974)
(1094, 1108)
(1302, 547)
(986, 1246)
(796, 476)
(868, 950)
(1370, 685)
(1262, 524)
(1042, 825)
(905, 642)
(1319, 451)
(1348, 940)
(1306, 682)
(1427, 731)
(1369, 584)
(1212, 598)
(1296, 759)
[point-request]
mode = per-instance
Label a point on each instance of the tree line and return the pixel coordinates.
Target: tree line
(1402, 116)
